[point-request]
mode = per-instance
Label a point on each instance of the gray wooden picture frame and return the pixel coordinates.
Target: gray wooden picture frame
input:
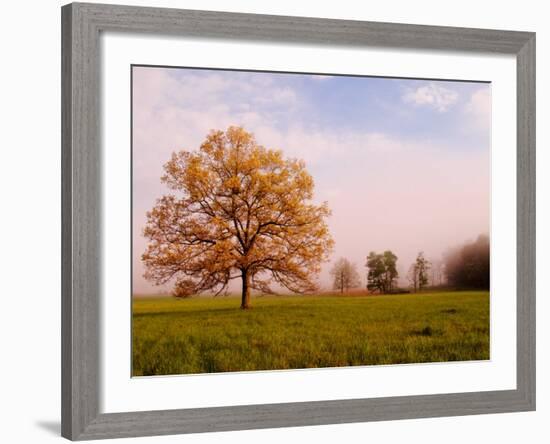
(81, 231)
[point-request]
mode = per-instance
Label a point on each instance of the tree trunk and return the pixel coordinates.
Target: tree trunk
(245, 300)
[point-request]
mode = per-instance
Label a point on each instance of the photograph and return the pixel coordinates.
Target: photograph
(285, 221)
(275, 222)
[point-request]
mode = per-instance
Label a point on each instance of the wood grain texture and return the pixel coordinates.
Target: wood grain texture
(119, 425)
(66, 223)
(526, 221)
(259, 27)
(81, 222)
(81, 230)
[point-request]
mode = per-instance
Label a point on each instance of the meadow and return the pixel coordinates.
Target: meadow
(206, 334)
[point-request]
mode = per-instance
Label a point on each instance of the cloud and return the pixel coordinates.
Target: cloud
(320, 77)
(403, 194)
(320, 146)
(478, 107)
(433, 96)
(277, 96)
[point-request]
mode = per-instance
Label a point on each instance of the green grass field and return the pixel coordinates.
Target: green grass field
(199, 335)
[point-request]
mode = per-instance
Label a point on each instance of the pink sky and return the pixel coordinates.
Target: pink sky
(404, 165)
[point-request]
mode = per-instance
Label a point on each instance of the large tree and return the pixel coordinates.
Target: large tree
(241, 211)
(345, 275)
(382, 271)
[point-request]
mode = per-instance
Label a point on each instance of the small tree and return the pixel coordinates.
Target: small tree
(345, 275)
(418, 272)
(382, 271)
(412, 276)
(375, 273)
(390, 273)
(183, 289)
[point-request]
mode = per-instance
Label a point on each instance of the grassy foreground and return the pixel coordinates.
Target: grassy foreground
(202, 335)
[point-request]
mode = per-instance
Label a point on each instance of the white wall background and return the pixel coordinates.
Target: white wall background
(30, 221)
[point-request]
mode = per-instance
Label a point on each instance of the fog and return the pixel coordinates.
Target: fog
(409, 171)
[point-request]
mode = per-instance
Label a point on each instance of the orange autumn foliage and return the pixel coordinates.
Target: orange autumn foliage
(241, 211)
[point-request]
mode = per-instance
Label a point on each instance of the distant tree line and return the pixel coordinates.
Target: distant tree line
(468, 266)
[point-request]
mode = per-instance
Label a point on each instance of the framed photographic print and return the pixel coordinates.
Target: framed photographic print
(278, 221)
